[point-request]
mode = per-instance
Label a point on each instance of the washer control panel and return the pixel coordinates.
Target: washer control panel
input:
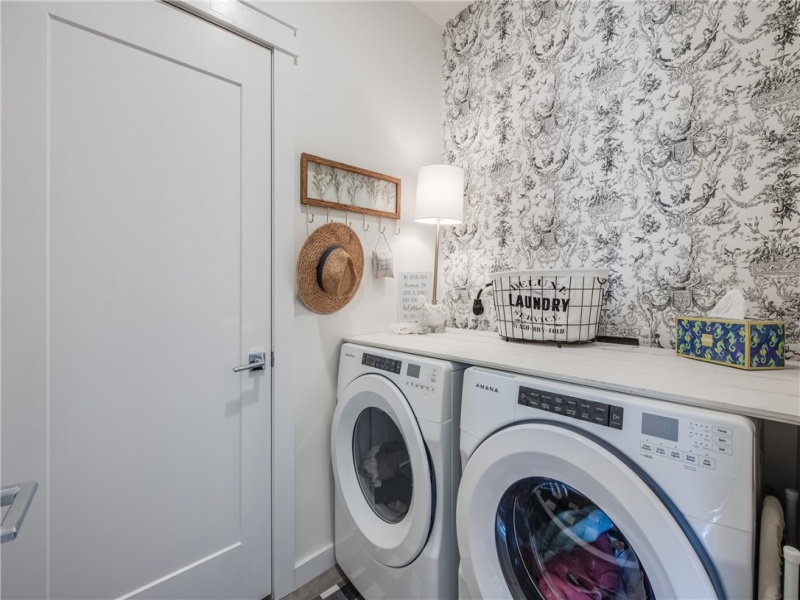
(425, 378)
(599, 413)
(695, 444)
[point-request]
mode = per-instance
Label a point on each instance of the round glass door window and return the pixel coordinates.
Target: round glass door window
(382, 464)
(555, 543)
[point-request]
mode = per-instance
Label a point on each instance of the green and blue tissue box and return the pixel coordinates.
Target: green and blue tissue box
(741, 343)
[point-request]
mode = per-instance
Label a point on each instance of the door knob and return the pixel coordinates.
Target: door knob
(258, 361)
(19, 497)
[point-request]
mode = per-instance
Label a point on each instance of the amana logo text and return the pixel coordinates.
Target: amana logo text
(488, 388)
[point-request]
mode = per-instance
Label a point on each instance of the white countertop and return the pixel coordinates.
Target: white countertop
(652, 372)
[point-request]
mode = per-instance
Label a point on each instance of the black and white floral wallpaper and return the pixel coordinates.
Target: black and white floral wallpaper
(660, 139)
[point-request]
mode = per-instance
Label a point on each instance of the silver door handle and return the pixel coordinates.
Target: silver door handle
(19, 497)
(258, 362)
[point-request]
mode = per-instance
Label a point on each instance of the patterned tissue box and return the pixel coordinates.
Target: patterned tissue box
(740, 343)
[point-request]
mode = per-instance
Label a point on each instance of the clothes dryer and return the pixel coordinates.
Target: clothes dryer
(576, 492)
(394, 448)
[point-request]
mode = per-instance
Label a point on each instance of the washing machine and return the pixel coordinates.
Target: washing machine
(576, 492)
(396, 465)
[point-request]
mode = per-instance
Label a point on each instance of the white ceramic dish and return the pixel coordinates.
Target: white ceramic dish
(403, 328)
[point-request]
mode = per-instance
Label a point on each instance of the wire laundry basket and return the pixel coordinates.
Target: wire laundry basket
(550, 305)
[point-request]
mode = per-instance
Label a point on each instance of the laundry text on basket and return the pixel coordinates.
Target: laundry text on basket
(539, 303)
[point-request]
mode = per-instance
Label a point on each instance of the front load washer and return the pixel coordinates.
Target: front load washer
(394, 449)
(575, 492)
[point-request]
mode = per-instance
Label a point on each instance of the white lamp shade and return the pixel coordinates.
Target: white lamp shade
(440, 195)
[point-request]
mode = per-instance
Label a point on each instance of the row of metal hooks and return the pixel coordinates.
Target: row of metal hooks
(364, 225)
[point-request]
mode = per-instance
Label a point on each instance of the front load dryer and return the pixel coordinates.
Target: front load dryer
(576, 492)
(394, 449)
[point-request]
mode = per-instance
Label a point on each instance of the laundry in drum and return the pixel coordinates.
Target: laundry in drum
(562, 546)
(571, 527)
(387, 467)
(583, 557)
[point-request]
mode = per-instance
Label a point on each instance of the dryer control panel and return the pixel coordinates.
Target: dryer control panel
(415, 376)
(381, 362)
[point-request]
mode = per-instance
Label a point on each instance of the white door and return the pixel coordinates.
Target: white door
(381, 467)
(135, 276)
(544, 511)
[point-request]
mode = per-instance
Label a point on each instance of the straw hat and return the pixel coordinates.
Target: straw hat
(329, 268)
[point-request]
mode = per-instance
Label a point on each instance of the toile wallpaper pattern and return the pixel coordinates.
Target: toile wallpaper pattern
(660, 139)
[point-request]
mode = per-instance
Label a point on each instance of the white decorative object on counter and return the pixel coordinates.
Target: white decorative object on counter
(432, 318)
(403, 328)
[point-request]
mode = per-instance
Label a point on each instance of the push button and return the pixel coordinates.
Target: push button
(571, 407)
(615, 417)
(646, 447)
(691, 458)
(722, 449)
(584, 410)
(722, 430)
(721, 439)
(600, 414)
(534, 400)
(661, 451)
(558, 405)
(676, 455)
(708, 463)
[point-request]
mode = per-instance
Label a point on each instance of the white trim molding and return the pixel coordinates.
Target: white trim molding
(244, 19)
(284, 192)
(252, 23)
(311, 566)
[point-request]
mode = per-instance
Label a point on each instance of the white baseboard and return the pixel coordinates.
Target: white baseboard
(314, 565)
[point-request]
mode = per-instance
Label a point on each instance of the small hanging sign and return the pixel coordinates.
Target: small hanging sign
(410, 287)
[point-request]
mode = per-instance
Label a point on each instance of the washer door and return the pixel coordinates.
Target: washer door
(545, 512)
(381, 467)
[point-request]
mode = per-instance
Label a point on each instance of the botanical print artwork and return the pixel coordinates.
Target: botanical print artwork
(330, 184)
(347, 187)
(657, 138)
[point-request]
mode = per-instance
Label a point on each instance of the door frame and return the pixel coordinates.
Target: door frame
(252, 23)
(248, 21)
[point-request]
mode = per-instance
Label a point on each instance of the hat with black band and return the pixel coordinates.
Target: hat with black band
(329, 268)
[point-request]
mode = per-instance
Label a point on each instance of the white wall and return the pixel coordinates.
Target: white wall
(369, 93)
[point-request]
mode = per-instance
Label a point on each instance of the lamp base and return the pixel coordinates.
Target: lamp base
(432, 318)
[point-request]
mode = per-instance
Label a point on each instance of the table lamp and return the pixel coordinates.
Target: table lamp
(440, 200)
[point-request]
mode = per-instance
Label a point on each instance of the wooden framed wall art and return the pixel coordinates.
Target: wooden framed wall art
(331, 184)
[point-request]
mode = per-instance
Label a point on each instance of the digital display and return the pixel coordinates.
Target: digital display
(413, 371)
(660, 427)
(381, 362)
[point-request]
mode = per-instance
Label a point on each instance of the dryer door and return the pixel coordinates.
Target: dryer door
(546, 512)
(382, 470)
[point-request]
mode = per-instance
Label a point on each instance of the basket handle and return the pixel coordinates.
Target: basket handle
(477, 304)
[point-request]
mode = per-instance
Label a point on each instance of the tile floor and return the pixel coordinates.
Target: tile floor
(331, 585)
